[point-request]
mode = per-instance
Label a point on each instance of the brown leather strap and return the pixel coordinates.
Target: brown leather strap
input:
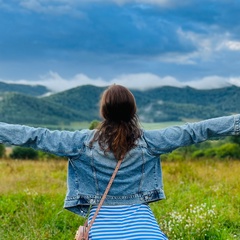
(105, 194)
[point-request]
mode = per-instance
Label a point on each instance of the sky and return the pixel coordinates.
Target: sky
(137, 43)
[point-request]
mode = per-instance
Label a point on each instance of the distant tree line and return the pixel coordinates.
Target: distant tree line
(225, 148)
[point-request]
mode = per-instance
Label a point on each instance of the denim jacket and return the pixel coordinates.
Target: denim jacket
(139, 179)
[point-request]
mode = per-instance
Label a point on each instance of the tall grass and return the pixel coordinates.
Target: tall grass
(203, 201)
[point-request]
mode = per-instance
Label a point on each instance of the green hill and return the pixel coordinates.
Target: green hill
(154, 105)
(84, 99)
(22, 109)
(35, 90)
(171, 103)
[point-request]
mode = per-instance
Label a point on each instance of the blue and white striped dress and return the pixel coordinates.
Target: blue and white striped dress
(125, 222)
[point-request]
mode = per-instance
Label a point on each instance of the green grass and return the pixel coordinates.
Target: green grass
(203, 201)
(159, 125)
(70, 126)
(84, 125)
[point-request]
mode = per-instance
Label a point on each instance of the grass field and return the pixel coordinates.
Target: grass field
(83, 125)
(159, 125)
(203, 201)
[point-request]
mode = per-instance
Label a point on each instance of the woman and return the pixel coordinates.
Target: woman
(93, 155)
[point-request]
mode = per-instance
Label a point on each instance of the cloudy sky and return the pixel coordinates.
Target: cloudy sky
(137, 43)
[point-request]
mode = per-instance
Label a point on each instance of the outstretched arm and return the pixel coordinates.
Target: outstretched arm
(168, 139)
(62, 143)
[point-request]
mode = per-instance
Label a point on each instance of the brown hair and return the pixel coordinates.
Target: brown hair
(119, 129)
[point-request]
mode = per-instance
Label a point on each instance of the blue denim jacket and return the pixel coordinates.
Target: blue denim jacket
(139, 179)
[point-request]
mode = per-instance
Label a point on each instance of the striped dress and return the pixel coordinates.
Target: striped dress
(125, 222)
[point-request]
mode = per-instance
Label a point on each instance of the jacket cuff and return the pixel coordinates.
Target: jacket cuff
(237, 124)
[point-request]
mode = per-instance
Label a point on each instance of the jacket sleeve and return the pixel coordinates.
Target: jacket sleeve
(168, 139)
(62, 143)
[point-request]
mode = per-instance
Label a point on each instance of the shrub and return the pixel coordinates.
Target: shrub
(24, 153)
(235, 139)
(2, 150)
(44, 156)
(211, 152)
(198, 154)
(94, 124)
(173, 156)
(231, 150)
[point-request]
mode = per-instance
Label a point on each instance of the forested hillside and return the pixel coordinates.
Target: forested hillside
(154, 105)
(22, 109)
(84, 99)
(35, 90)
(171, 103)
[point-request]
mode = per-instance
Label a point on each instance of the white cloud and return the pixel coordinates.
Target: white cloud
(179, 58)
(210, 82)
(233, 45)
(158, 2)
(140, 81)
(56, 83)
(32, 4)
(145, 81)
(162, 3)
(205, 47)
(235, 81)
(54, 7)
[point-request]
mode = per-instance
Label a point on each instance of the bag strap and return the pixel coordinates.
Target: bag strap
(105, 194)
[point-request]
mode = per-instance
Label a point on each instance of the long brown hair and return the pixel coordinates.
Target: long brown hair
(119, 130)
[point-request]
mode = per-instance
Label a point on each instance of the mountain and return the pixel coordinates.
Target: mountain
(172, 103)
(158, 104)
(23, 109)
(83, 99)
(154, 105)
(36, 90)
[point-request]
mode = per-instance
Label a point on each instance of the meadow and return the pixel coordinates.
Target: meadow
(83, 125)
(203, 200)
